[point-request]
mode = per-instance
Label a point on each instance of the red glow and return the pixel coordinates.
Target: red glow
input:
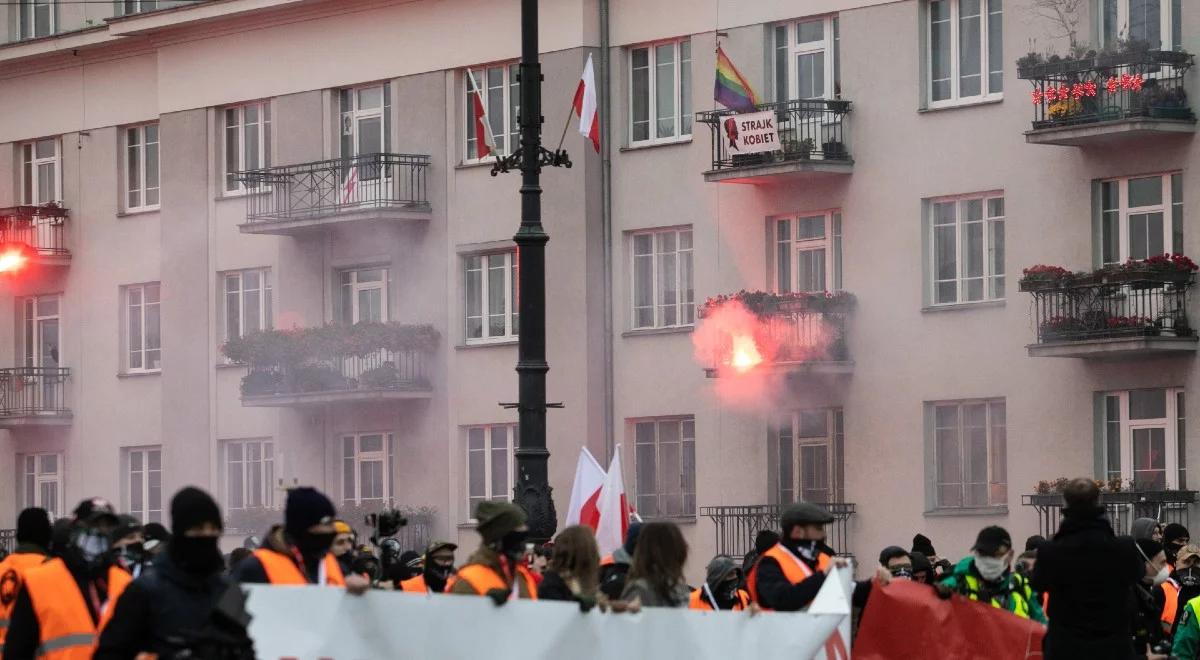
(745, 355)
(13, 258)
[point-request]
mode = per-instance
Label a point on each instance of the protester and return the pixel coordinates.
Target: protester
(299, 553)
(1148, 639)
(343, 546)
(1146, 528)
(574, 569)
(763, 541)
(406, 566)
(33, 543)
(61, 605)
(1175, 536)
(722, 587)
(986, 576)
(236, 557)
(615, 568)
(1087, 574)
(898, 563)
(1034, 542)
(183, 605)
(788, 576)
(921, 567)
(156, 538)
(439, 566)
(941, 567)
(1182, 586)
(656, 575)
(127, 545)
(496, 570)
(539, 559)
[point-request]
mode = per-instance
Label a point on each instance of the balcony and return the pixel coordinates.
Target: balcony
(34, 396)
(1108, 99)
(1123, 507)
(811, 144)
(294, 199)
(736, 526)
(42, 228)
(365, 362)
(1115, 313)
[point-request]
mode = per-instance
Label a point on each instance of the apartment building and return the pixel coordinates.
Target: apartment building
(189, 173)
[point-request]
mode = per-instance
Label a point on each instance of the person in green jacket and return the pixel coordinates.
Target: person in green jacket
(1187, 632)
(987, 576)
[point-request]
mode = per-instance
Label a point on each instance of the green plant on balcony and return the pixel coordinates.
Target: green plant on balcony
(262, 382)
(383, 377)
(317, 378)
(763, 303)
(803, 148)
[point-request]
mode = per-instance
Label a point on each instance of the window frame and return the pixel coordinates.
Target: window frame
(143, 147)
(27, 19)
(682, 303)
(262, 141)
(829, 45)
(988, 252)
(989, 427)
(30, 179)
(57, 478)
(386, 456)
(512, 437)
(29, 337)
(512, 270)
(1174, 435)
(139, 7)
(348, 293)
(266, 300)
(1166, 17)
(681, 96)
(1166, 207)
(833, 441)
(509, 84)
(956, 98)
(127, 316)
(266, 468)
(147, 513)
(830, 242)
(656, 512)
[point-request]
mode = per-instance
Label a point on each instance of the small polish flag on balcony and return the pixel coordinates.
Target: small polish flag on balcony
(483, 131)
(585, 105)
(350, 185)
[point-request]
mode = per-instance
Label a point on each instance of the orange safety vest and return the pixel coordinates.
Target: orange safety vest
(282, 570)
(12, 572)
(794, 570)
(67, 631)
(699, 602)
(483, 579)
(415, 585)
(1171, 589)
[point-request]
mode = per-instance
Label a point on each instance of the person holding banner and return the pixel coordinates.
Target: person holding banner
(496, 569)
(987, 576)
(788, 576)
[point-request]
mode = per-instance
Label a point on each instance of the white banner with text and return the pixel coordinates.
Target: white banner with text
(751, 133)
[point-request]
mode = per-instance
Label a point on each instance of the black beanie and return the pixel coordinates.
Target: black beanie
(33, 526)
(192, 507)
(923, 545)
(764, 540)
(306, 507)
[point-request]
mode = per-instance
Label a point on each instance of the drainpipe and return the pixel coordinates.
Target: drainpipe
(605, 102)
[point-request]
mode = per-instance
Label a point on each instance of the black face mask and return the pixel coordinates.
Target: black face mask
(131, 555)
(727, 594)
(512, 544)
(198, 555)
(314, 545)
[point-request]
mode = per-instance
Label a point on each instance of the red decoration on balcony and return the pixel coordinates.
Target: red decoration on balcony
(1038, 95)
(1125, 82)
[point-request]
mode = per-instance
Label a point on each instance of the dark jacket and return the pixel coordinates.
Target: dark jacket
(25, 633)
(1088, 573)
(1147, 626)
(553, 587)
(776, 593)
(612, 576)
(167, 610)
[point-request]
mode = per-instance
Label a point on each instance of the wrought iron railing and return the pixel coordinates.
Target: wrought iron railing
(42, 228)
(378, 370)
(809, 130)
(29, 391)
(736, 526)
(329, 187)
(808, 336)
(1165, 506)
(1109, 87)
(8, 540)
(1110, 307)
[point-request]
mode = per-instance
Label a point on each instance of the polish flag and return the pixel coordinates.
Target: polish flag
(613, 507)
(483, 131)
(585, 105)
(350, 185)
(585, 494)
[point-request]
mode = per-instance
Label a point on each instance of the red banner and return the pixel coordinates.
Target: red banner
(907, 620)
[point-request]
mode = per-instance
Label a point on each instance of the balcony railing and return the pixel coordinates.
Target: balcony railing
(311, 191)
(42, 228)
(8, 540)
(378, 371)
(791, 330)
(736, 526)
(1166, 506)
(30, 393)
(811, 133)
(808, 336)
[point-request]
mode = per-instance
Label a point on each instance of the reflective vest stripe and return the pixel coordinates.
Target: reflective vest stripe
(3, 623)
(282, 570)
(1171, 606)
(66, 641)
(1019, 595)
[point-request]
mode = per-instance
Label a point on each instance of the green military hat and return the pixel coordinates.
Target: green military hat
(495, 519)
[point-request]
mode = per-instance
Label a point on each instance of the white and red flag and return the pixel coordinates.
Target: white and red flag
(350, 185)
(613, 507)
(585, 493)
(483, 131)
(585, 105)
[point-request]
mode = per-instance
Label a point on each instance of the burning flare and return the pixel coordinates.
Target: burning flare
(12, 260)
(745, 354)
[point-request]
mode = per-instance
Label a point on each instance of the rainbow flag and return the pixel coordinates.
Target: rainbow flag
(731, 89)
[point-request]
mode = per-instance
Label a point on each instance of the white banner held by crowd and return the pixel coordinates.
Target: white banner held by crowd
(750, 133)
(310, 623)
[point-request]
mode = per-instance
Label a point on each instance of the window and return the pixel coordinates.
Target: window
(808, 252)
(662, 279)
(247, 141)
(249, 474)
(36, 19)
(127, 7)
(665, 467)
(41, 172)
(1140, 217)
(41, 336)
(501, 95)
(367, 468)
(142, 485)
(1144, 439)
(967, 244)
(661, 91)
(247, 301)
(806, 62)
(965, 58)
(42, 483)
(970, 454)
(491, 281)
(491, 466)
(143, 339)
(806, 453)
(1159, 23)
(141, 167)
(366, 122)
(364, 296)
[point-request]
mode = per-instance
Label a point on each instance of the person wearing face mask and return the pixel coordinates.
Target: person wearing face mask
(986, 576)
(33, 543)
(298, 553)
(127, 545)
(788, 576)
(720, 590)
(62, 604)
(439, 566)
(343, 546)
(1148, 639)
(170, 610)
(1182, 586)
(1175, 536)
(497, 570)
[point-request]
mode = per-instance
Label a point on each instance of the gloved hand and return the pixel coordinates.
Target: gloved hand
(942, 590)
(586, 603)
(498, 596)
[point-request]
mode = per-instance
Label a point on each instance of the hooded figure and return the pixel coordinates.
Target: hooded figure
(720, 590)
(1174, 537)
(1145, 528)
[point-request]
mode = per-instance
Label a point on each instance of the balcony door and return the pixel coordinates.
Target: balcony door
(1145, 438)
(365, 129)
(806, 68)
(42, 340)
(806, 454)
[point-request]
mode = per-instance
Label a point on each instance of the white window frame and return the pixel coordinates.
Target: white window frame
(240, 158)
(681, 92)
(386, 455)
(488, 451)
(685, 309)
(1165, 207)
(1166, 18)
(1170, 424)
(265, 301)
(149, 511)
(141, 188)
(31, 465)
(994, 281)
(789, 242)
(27, 19)
(265, 467)
(787, 428)
(142, 311)
(985, 65)
(131, 7)
(794, 47)
(30, 176)
(31, 317)
(510, 86)
(989, 428)
(686, 423)
(349, 291)
(511, 266)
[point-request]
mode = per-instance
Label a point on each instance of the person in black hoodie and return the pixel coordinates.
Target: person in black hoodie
(1089, 574)
(183, 602)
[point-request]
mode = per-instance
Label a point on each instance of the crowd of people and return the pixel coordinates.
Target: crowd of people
(101, 585)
